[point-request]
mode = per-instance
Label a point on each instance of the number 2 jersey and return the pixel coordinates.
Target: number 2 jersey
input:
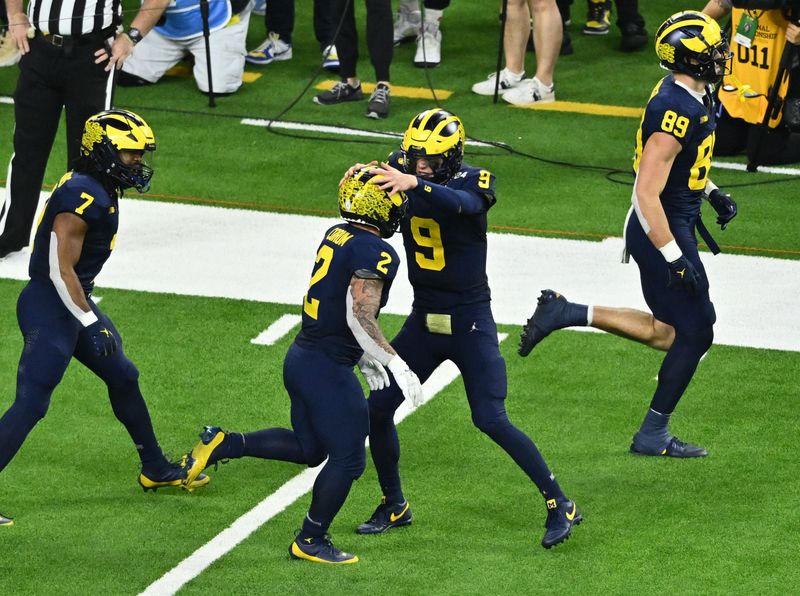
(85, 197)
(673, 110)
(446, 250)
(345, 251)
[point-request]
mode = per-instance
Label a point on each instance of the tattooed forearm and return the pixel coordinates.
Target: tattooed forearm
(366, 300)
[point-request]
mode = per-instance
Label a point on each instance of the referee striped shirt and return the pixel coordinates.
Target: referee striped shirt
(74, 17)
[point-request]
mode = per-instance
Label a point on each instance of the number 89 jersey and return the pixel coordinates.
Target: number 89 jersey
(673, 110)
(344, 250)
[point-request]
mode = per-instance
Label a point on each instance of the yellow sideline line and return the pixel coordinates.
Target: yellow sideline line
(397, 90)
(595, 109)
(183, 70)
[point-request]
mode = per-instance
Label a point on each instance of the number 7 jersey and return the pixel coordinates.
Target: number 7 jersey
(673, 110)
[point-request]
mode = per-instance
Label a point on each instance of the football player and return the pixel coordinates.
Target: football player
(352, 275)
(57, 317)
(444, 235)
(672, 160)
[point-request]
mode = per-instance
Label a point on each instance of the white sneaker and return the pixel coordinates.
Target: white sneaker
(529, 92)
(508, 81)
(9, 54)
(429, 46)
(407, 24)
(270, 50)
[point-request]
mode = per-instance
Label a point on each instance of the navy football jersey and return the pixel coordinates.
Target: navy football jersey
(446, 251)
(673, 110)
(84, 196)
(344, 250)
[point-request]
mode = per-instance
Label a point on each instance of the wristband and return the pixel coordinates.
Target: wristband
(397, 366)
(710, 187)
(671, 251)
(87, 318)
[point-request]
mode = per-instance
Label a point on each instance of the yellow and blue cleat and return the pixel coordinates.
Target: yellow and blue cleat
(5, 521)
(172, 476)
(202, 455)
(320, 550)
(561, 517)
(386, 516)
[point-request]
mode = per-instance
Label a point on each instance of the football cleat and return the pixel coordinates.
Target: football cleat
(173, 475)
(675, 448)
(385, 517)
(553, 311)
(5, 521)
(598, 19)
(202, 455)
(560, 519)
(320, 550)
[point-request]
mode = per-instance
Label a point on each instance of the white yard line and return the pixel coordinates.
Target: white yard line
(277, 330)
(727, 165)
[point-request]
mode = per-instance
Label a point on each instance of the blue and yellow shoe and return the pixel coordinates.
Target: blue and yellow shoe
(202, 455)
(561, 517)
(553, 311)
(5, 521)
(320, 550)
(675, 448)
(171, 476)
(386, 516)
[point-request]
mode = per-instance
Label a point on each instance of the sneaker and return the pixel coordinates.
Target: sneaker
(675, 448)
(560, 519)
(339, 93)
(508, 81)
(320, 550)
(407, 25)
(330, 58)
(429, 46)
(9, 53)
(529, 92)
(553, 311)
(202, 455)
(598, 19)
(385, 517)
(634, 37)
(173, 475)
(5, 521)
(378, 106)
(273, 49)
(260, 7)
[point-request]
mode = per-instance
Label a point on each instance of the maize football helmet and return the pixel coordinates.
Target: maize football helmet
(364, 202)
(109, 132)
(692, 43)
(438, 136)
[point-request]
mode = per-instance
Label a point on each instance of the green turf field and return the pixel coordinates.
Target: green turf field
(724, 525)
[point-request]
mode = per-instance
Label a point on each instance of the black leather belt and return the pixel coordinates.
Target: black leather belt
(66, 41)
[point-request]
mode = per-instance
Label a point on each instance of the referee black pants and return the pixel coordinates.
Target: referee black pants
(50, 78)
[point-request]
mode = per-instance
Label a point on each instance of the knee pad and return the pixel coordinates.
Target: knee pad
(701, 339)
(126, 376)
(313, 457)
(353, 465)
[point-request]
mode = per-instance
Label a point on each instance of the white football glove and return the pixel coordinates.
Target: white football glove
(407, 380)
(374, 373)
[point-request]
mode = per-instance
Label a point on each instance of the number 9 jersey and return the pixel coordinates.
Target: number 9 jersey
(674, 110)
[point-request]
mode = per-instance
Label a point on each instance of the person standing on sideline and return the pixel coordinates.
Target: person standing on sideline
(57, 317)
(423, 26)
(65, 64)
(353, 272)
(444, 235)
(674, 145)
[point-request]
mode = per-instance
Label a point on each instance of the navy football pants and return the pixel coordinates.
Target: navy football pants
(474, 349)
(692, 316)
(52, 337)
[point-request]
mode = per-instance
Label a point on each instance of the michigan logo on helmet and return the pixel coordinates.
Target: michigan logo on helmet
(106, 134)
(438, 137)
(362, 201)
(692, 43)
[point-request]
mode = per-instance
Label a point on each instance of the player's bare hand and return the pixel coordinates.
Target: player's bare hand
(353, 169)
(393, 180)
